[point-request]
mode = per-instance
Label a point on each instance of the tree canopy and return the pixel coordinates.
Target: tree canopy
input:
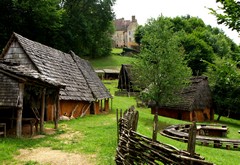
(199, 42)
(82, 26)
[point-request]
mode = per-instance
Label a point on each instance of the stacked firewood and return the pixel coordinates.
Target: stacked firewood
(134, 148)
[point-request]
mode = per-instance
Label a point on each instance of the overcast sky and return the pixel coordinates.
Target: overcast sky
(146, 9)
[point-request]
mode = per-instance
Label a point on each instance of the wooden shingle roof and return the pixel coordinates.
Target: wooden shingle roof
(56, 65)
(22, 72)
(11, 75)
(99, 91)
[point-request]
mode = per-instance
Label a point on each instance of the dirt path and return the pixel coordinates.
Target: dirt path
(53, 157)
(47, 156)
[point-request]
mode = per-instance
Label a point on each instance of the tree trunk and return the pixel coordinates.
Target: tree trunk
(219, 116)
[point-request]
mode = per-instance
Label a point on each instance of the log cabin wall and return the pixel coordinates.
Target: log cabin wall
(172, 113)
(73, 107)
(198, 115)
(202, 115)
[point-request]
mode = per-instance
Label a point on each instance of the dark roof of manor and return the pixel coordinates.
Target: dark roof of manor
(61, 67)
(121, 24)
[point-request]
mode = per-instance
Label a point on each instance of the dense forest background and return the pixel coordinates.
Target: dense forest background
(83, 26)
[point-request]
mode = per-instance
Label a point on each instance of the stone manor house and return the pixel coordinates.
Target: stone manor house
(124, 32)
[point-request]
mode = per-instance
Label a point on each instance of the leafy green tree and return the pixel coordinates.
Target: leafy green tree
(225, 79)
(228, 13)
(82, 26)
(38, 20)
(199, 42)
(196, 50)
(187, 23)
(160, 66)
(222, 45)
(139, 34)
(88, 26)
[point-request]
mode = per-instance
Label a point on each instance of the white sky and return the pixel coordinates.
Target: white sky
(146, 9)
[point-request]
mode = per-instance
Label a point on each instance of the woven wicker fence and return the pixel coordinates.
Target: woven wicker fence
(134, 148)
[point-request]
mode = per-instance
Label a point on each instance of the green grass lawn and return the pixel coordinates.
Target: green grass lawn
(113, 61)
(97, 135)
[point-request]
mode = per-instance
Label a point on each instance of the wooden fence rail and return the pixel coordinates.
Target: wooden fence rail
(181, 133)
(134, 148)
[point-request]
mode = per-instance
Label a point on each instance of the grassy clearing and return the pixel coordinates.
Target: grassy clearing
(113, 61)
(117, 51)
(96, 135)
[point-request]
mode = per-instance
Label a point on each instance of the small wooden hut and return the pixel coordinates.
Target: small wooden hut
(84, 93)
(21, 90)
(195, 103)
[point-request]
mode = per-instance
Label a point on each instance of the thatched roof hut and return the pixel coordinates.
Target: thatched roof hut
(125, 81)
(195, 102)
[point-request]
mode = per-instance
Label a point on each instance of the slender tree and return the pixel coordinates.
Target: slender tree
(160, 66)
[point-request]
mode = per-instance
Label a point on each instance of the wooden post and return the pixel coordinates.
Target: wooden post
(55, 113)
(57, 106)
(106, 105)
(42, 110)
(192, 140)
(56, 109)
(117, 125)
(155, 127)
(19, 111)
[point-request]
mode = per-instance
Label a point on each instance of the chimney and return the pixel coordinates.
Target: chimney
(133, 18)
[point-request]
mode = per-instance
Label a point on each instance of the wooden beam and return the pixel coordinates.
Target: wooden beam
(42, 110)
(19, 111)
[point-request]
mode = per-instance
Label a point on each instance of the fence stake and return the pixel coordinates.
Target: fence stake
(192, 140)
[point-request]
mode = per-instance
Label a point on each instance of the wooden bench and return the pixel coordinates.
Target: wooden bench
(3, 125)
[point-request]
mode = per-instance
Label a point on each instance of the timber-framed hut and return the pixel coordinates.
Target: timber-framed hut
(44, 83)
(195, 103)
